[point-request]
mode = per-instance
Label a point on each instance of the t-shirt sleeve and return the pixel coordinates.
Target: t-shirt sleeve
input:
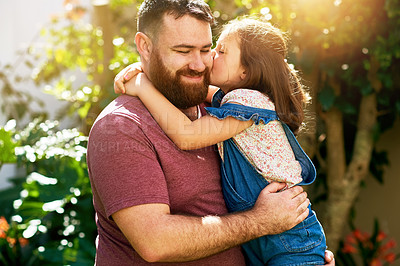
(123, 165)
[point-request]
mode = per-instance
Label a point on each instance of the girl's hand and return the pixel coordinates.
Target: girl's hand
(211, 90)
(125, 75)
(137, 85)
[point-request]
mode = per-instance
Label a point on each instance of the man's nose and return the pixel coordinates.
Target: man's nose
(198, 62)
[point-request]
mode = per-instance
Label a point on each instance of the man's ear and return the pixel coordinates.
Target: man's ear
(144, 45)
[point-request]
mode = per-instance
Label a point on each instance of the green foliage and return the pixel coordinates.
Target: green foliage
(13, 247)
(355, 48)
(7, 143)
(378, 167)
(326, 98)
(52, 206)
(62, 56)
(124, 54)
(62, 52)
(76, 50)
(14, 103)
(120, 3)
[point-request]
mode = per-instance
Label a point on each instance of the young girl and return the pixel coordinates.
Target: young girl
(253, 117)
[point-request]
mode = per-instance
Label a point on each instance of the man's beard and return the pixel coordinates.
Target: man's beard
(182, 95)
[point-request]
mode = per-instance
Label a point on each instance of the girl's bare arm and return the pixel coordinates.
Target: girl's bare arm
(186, 134)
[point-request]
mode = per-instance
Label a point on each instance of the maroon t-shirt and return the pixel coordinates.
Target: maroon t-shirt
(132, 162)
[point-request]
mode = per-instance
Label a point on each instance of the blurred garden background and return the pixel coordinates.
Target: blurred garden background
(58, 59)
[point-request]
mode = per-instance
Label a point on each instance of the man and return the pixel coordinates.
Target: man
(154, 202)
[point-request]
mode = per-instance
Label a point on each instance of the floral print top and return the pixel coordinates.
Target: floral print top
(265, 145)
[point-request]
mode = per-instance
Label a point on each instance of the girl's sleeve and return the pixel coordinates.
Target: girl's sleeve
(250, 98)
(250, 101)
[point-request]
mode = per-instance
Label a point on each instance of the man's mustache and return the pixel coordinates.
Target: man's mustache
(192, 73)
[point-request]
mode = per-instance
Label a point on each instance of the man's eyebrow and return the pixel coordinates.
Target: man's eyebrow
(190, 46)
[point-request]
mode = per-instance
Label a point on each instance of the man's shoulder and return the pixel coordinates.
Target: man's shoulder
(125, 112)
(123, 104)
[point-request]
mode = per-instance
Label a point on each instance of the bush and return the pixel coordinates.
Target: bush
(50, 209)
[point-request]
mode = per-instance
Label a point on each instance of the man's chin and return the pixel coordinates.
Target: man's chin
(190, 102)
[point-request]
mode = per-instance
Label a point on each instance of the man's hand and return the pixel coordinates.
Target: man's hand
(125, 75)
(329, 258)
(279, 212)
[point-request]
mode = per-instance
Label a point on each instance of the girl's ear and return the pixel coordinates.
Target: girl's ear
(243, 75)
(144, 45)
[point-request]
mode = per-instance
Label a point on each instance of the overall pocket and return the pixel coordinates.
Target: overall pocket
(241, 183)
(233, 200)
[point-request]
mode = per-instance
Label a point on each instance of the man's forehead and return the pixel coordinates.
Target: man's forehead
(185, 31)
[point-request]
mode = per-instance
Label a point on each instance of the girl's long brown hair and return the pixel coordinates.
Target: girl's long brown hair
(263, 55)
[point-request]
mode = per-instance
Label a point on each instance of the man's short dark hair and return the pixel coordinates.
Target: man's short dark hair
(151, 13)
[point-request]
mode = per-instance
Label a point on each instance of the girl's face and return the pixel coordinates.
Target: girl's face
(227, 71)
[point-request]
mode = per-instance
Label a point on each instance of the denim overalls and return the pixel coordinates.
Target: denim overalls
(304, 244)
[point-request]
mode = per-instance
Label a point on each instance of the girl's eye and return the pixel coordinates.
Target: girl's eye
(221, 51)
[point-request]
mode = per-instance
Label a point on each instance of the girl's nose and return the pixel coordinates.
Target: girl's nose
(213, 53)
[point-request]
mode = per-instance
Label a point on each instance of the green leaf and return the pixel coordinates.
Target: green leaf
(7, 147)
(31, 210)
(53, 256)
(83, 111)
(8, 196)
(378, 164)
(346, 107)
(398, 107)
(327, 98)
(366, 90)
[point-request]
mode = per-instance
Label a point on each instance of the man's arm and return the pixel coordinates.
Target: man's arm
(159, 236)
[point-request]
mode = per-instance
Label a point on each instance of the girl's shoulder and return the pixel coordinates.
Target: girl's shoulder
(250, 98)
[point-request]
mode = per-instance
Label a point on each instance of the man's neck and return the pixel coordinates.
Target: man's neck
(192, 112)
